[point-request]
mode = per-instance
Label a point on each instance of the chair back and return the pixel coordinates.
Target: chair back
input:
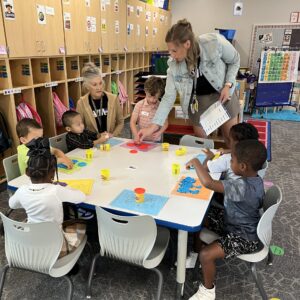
(271, 203)
(32, 246)
(126, 238)
(59, 142)
(11, 167)
(193, 141)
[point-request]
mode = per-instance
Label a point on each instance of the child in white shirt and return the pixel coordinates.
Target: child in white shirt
(238, 132)
(42, 200)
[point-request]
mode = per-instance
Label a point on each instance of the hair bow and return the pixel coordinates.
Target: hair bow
(39, 147)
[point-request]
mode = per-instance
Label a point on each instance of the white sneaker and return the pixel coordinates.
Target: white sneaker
(190, 260)
(204, 293)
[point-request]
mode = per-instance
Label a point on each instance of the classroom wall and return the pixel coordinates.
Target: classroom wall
(206, 15)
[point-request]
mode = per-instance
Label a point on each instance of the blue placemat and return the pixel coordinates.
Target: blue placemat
(151, 206)
(113, 142)
(201, 158)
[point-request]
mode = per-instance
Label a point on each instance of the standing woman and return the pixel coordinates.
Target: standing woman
(101, 111)
(202, 70)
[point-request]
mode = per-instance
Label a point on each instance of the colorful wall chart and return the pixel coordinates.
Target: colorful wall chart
(192, 188)
(279, 66)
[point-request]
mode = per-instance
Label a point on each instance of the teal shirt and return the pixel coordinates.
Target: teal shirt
(219, 62)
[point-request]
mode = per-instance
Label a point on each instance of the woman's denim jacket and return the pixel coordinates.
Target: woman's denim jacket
(219, 62)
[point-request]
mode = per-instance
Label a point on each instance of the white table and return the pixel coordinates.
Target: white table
(151, 170)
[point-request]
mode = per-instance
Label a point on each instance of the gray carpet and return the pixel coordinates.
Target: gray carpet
(119, 281)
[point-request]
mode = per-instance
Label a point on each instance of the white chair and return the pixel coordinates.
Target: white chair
(36, 247)
(133, 239)
(271, 203)
(193, 141)
(59, 142)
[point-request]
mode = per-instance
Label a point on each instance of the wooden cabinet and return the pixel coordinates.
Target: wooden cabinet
(3, 46)
(113, 25)
(82, 26)
(36, 29)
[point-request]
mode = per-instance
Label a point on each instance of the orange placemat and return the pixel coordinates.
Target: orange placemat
(191, 187)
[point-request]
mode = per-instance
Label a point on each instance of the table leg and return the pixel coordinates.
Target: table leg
(181, 258)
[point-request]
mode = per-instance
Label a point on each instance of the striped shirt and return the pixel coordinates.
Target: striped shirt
(145, 113)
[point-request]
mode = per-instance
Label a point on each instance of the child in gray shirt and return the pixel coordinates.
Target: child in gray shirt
(237, 222)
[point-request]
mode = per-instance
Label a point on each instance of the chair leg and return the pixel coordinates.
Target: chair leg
(88, 290)
(70, 290)
(258, 282)
(160, 282)
(270, 258)
(3, 273)
(196, 270)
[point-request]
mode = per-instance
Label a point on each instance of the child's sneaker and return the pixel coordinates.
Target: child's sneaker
(84, 214)
(190, 260)
(204, 293)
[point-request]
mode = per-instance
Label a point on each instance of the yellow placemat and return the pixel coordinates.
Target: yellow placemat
(84, 185)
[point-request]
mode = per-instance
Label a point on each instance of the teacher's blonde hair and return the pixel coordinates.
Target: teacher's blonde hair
(178, 34)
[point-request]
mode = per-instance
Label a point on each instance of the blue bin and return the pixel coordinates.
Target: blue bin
(228, 33)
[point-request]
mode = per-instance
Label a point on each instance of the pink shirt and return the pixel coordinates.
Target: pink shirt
(145, 113)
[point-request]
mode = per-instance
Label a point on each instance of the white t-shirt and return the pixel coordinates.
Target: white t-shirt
(222, 165)
(43, 202)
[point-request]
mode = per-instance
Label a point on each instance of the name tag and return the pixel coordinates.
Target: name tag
(144, 113)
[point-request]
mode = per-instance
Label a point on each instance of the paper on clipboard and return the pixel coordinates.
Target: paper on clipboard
(215, 116)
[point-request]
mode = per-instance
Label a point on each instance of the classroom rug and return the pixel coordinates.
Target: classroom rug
(192, 188)
(144, 147)
(284, 115)
(152, 204)
(78, 164)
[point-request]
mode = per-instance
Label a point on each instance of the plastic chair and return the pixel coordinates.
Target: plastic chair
(59, 142)
(193, 141)
(271, 203)
(12, 171)
(36, 247)
(133, 239)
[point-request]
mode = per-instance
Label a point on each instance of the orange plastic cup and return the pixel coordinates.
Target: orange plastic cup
(139, 195)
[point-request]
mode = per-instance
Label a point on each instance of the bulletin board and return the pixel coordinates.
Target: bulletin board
(284, 36)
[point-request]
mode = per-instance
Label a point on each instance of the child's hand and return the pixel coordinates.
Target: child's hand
(223, 151)
(136, 139)
(189, 164)
(155, 136)
(104, 137)
(209, 154)
(66, 161)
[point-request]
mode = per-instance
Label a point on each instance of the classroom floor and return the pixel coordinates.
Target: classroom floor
(119, 281)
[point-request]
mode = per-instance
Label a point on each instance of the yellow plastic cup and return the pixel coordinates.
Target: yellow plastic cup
(165, 146)
(175, 169)
(106, 147)
(89, 154)
(105, 174)
(179, 152)
(139, 195)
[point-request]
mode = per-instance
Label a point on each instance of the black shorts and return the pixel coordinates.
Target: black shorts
(231, 243)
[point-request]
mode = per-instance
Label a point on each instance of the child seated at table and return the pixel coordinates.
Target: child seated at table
(145, 109)
(78, 136)
(42, 200)
(237, 133)
(28, 130)
(236, 224)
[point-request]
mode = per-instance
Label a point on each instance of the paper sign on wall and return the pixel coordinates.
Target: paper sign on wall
(67, 20)
(103, 25)
(238, 9)
(88, 3)
(117, 27)
(3, 49)
(116, 6)
(41, 14)
(147, 30)
(50, 11)
(103, 5)
(8, 7)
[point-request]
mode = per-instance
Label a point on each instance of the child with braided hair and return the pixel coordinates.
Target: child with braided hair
(43, 200)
